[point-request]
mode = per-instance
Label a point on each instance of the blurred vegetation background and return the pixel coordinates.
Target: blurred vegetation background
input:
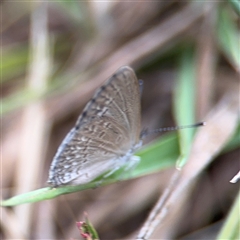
(55, 54)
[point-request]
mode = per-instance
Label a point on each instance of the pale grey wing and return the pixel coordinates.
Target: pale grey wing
(108, 129)
(88, 153)
(118, 99)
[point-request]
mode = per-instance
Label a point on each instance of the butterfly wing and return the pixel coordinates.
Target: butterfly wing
(118, 99)
(107, 131)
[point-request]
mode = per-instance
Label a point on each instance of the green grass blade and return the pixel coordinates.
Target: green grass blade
(19, 99)
(184, 103)
(154, 157)
(228, 37)
(14, 63)
(231, 229)
(235, 5)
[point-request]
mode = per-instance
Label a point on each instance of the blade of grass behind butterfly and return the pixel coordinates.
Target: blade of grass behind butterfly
(228, 36)
(184, 103)
(235, 5)
(230, 229)
(154, 157)
(14, 62)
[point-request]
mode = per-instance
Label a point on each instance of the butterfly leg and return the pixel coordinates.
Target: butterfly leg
(129, 166)
(133, 163)
(98, 183)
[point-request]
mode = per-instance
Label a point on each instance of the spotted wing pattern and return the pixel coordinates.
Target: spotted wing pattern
(105, 135)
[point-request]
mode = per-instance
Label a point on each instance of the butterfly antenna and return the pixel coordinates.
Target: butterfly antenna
(167, 129)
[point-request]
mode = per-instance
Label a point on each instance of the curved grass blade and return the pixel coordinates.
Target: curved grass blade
(184, 103)
(230, 229)
(154, 157)
(228, 37)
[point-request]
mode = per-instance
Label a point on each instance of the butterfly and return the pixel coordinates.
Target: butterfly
(105, 136)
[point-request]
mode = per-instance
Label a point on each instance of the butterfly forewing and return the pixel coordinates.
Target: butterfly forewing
(119, 99)
(107, 132)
